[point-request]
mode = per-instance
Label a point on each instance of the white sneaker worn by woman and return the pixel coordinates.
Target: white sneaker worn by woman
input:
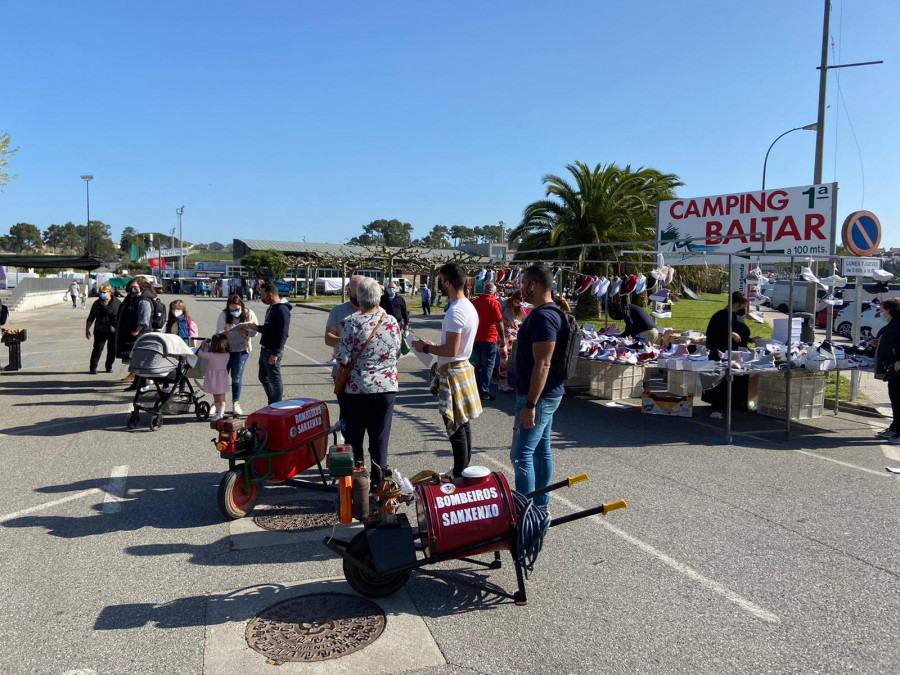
(236, 408)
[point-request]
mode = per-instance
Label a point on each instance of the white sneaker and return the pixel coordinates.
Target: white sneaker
(834, 281)
(236, 408)
(882, 275)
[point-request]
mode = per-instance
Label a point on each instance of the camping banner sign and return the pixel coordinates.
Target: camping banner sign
(793, 221)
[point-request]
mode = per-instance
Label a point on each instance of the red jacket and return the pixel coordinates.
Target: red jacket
(489, 313)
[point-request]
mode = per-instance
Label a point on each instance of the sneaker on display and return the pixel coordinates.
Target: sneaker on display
(808, 275)
(831, 300)
(641, 284)
(585, 284)
(662, 315)
(603, 287)
(834, 281)
(882, 275)
(661, 295)
(757, 317)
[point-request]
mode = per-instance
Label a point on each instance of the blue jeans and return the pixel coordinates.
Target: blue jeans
(530, 453)
(270, 376)
(236, 363)
(484, 354)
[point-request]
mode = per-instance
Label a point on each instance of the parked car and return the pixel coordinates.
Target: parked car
(822, 315)
(871, 320)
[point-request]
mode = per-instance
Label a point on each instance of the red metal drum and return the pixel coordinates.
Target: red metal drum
(465, 512)
(297, 424)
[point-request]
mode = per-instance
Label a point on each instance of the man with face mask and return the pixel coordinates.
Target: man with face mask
(135, 314)
(394, 304)
(334, 326)
(454, 377)
(538, 392)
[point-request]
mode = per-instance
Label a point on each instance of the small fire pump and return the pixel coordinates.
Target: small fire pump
(474, 514)
(274, 444)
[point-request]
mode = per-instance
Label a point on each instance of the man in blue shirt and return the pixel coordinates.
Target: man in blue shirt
(538, 393)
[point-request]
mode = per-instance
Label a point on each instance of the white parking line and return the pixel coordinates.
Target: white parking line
(681, 568)
(47, 505)
(115, 491)
(307, 357)
(847, 464)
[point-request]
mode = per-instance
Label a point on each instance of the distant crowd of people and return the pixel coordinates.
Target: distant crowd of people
(118, 323)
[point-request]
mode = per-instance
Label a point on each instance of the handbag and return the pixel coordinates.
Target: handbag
(343, 373)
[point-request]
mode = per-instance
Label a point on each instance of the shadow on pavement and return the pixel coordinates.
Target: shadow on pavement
(165, 502)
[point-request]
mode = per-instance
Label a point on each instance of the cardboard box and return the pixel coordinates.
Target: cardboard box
(615, 381)
(655, 403)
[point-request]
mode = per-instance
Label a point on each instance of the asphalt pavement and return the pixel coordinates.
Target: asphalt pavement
(769, 555)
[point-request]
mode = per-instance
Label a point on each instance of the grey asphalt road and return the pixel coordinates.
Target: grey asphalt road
(769, 555)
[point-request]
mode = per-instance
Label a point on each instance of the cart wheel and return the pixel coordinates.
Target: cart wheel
(156, 422)
(202, 410)
(367, 583)
(133, 420)
(233, 503)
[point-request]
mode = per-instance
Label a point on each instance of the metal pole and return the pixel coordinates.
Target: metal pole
(180, 212)
(87, 185)
(823, 82)
(790, 330)
(856, 335)
(728, 338)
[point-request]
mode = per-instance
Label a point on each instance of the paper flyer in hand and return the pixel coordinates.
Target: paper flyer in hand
(426, 359)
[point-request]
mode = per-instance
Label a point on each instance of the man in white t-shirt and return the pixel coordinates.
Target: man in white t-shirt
(457, 391)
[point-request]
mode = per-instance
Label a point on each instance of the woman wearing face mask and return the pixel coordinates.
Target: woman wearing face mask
(717, 330)
(103, 315)
(513, 316)
(232, 321)
(180, 322)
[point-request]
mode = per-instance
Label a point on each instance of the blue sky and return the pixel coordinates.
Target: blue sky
(286, 120)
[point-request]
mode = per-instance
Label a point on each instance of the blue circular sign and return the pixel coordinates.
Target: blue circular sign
(861, 233)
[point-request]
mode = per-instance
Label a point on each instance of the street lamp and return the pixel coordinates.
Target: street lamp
(87, 185)
(808, 127)
(180, 212)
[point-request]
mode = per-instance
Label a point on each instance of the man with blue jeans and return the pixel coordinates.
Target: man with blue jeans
(274, 334)
(538, 392)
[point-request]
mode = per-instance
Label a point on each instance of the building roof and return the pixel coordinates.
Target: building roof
(302, 247)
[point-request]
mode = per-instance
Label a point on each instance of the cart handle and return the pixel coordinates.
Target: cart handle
(568, 482)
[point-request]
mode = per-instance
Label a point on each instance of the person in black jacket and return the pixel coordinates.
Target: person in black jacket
(274, 332)
(394, 304)
(104, 315)
(717, 329)
(638, 323)
(887, 363)
(135, 317)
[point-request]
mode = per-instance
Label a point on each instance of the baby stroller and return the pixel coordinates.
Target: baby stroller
(165, 360)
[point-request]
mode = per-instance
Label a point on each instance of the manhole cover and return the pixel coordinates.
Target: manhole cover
(315, 628)
(308, 514)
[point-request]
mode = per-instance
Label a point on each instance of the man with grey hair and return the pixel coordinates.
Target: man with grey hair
(333, 325)
(490, 332)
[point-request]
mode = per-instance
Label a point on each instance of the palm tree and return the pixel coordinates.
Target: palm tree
(606, 204)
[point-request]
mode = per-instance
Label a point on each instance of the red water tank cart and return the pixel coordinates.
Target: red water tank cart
(272, 445)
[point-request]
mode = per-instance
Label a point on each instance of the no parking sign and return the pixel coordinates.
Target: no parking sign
(861, 233)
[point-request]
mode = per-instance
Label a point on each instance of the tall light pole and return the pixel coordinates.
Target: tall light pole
(87, 185)
(180, 212)
(808, 127)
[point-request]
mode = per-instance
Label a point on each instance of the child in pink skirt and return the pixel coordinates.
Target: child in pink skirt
(216, 381)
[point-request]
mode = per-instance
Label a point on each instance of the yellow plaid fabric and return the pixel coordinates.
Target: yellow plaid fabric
(458, 398)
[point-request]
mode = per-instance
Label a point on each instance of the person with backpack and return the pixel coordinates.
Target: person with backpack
(141, 311)
(103, 315)
(544, 360)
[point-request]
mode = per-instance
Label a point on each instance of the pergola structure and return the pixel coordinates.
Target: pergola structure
(349, 258)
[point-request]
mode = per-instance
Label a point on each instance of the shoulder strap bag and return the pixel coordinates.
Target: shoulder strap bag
(343, 373)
